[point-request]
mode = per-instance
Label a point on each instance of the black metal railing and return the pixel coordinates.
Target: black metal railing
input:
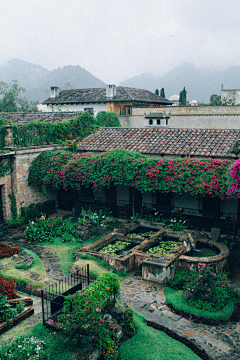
(53, 296)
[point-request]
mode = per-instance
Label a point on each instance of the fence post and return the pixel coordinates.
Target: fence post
(88, 273)
(43, 319)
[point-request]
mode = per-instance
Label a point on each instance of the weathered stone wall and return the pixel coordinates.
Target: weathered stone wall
(5, 184)
(25, 118)
(26, 195)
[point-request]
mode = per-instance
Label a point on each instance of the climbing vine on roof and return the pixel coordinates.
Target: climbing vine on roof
(56, 170)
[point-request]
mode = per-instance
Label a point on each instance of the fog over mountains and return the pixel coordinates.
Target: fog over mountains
(199, 83)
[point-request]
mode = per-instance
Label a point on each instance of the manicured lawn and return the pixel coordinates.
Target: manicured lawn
(151, 344)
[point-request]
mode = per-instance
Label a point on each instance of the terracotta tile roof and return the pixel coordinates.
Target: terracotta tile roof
(185, 142)
(99, 95)
(24, 118)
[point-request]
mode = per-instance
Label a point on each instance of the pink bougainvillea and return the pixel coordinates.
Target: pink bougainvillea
(195, 176)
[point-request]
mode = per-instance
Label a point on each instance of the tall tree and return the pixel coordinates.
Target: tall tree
(183, 97)
(162, 94)
(11, 97)
(156, 92)
(215, 100)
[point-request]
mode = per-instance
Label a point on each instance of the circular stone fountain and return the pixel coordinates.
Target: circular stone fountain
(219, 261)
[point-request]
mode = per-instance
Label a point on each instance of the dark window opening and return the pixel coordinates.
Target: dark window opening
(163, 199)
(150, 121)
(128, 110)
(166, 121)
(89, 110)
(158, 122)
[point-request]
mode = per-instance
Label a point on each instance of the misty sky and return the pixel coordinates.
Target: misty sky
(118, 39)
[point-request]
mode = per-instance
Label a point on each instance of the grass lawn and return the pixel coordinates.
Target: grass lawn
(152, 344)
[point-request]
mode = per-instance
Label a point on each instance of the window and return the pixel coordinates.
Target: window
(89, 110)
(128, 110)
(150, 121)
(158, 122)
(166, 121)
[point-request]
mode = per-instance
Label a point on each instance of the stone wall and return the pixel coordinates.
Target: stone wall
(25, 118)
(17, 180)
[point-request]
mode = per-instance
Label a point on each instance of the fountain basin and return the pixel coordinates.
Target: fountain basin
(219, 262)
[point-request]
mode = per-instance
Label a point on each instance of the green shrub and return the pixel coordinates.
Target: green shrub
(174, 298)
(46, 229)
(6, 312)
(129, 324)
(206, 290)
(33, 212)
(181, 277)
(107, 119)
(84, 323)
(21, 266)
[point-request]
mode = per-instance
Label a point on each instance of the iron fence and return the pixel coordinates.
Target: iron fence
(53, 296)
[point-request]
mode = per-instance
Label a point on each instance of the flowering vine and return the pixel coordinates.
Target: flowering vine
(66, 170)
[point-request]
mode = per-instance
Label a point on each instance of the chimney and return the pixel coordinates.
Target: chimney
(110, 91)
(54, 92)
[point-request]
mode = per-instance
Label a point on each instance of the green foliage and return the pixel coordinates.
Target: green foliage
(12, 99)
(64, 132)
(63, 170)
(215, 100)
(46, 229)
(183, 97)
(84, 323)
(208, 291)
(163, 248)
(6, 312)
(107, 119)
(97, 217)
(33, 212)
(177, 224)
(162, 93)
(5, 166)
(13, 205)
(234, 246)
(22, 349)
(146, 234)
(129, 324)
(20, 306)
(21, 266)
(174, 298)
(113, 248)
(181, 277)
(156, 92)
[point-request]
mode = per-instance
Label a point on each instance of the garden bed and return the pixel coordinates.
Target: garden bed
(27, 312)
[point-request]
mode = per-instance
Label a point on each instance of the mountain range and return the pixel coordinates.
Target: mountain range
(200, 84)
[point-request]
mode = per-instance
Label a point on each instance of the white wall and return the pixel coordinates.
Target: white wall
(73, 107)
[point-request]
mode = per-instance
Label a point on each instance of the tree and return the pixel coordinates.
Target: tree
(162, 94)
(107, 119)
(11, 97)
(183, 97)
(156, 92)
(215, 100)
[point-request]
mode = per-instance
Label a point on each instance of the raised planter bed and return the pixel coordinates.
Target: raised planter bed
(27, 312)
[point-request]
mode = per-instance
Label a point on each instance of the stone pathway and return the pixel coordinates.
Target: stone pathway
(148, 299)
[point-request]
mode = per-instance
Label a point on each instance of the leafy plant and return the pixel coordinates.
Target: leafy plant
(84, 323)
(129, 324)
(146, 234)
(97, 217)
(63, 169)
(181, 278)
(6, 312)
(8, 288)
(46, 229)
(20, 306)
(208, 291)
(113, 248)
(164, 248)
(7, 251)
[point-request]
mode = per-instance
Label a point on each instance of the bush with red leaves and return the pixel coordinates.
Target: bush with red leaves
(7, 288)
(7, 251)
